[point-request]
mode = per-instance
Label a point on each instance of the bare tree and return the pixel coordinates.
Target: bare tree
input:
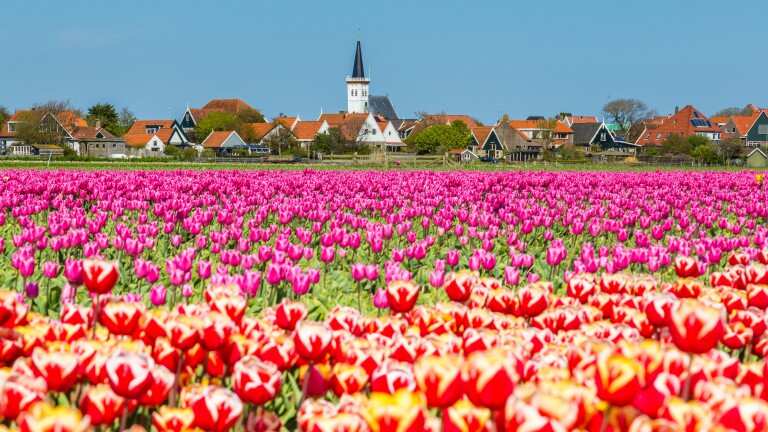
(626, 112)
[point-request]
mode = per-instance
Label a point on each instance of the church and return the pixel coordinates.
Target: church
(359, 99)
(368, 120)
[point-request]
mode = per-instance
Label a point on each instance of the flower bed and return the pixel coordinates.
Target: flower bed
(383, 301)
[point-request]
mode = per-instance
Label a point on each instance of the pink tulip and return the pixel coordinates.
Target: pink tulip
(157, 295)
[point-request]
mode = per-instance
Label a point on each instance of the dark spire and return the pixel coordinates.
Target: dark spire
(357, 70)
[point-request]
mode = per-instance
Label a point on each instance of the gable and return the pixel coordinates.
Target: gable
(759, 129)
(603, 137)
(492, 142)
(233, 141)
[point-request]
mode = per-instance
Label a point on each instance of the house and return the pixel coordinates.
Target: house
(599, 139)
(192, 116)
(169, 131)
(752, 129)
(8, 131)
(262, 132)
(306, 131)
(287, 122)
(363, 128)
(147, 145)
(98, 142)
(381, 106)
(224, 142)
(462, 155)
(517, 145)
(686, 122)
(542, 130)
(485, 143)
(757, 134)
(757, 158)
(63, 128)
(570, 119)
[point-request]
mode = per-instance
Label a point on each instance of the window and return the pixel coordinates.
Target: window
(603, 137)
(151, 129)
(11, 127)
(762, 129)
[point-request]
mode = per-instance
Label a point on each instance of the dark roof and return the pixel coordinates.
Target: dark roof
(357, 69)
(583, 132)
(381, 105)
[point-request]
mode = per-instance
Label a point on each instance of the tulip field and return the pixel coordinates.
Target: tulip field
(377, 301)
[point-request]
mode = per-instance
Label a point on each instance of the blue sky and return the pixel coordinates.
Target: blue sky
(484, 57)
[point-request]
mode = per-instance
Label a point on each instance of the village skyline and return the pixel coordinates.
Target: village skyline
(427, 68)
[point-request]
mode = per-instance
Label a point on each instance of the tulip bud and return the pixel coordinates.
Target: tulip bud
(157, 295)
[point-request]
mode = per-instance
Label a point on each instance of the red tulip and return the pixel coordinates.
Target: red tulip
(169, 419)
(465, 417)
(618, 378)
(688, 267)
(402, 295)
(439, 378)
(58, 366)
(255, 381)
(100, 277)
(161, 383)
(287, 314)
(129, 373)
(101, 405)
(403, 411)
(216, 409)
(695, 327)
(121, 318)
(18, 393)
(348, 378)
(311, 340)
(459, 286)
(490, 378)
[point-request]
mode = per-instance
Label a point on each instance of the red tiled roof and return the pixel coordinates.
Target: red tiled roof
(137, 140)
(743, 123)
(561, 127)
(578, 119)
(288, 122)
(260, 130)
(469, 121)
(658, 129)
(16, 117)
(306, 130)
(216, 139)
(89, 132)
(139, 126)
(524, 124)
(481, 133)
(232, 106)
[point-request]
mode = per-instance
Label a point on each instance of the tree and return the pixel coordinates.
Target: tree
(440, 138)
(250, 115)
(676, 144)
(105, 115)
(733, 111)
(731, 148)
(697, 141)
(4, 115)
(329, 142)
(706, 153)
(283, 139)
(124, 122)
(626, 112)
(56, 107)
(546, 134)
(217, 121)
(29, 131)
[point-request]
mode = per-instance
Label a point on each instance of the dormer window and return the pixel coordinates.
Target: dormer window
(151, 129)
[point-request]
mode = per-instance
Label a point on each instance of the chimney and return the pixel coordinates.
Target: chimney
(97, 124)
(677, 108)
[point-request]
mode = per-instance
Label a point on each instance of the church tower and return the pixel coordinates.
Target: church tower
(357, 85)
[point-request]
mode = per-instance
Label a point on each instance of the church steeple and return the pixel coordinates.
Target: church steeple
(357, 85)
(357, 70)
